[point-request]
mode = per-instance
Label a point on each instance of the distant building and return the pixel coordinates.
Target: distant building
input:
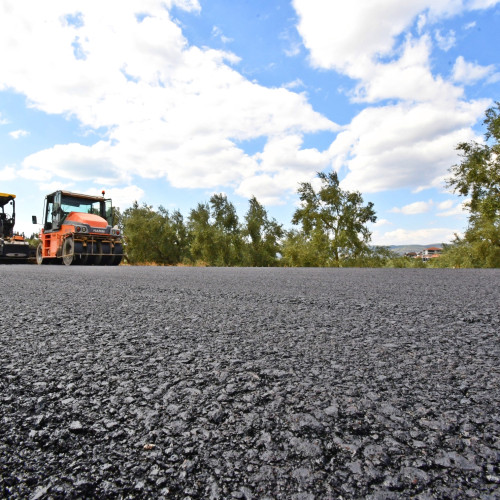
(430, 253)
(411, 255)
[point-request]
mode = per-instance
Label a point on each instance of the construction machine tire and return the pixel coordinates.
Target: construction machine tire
(91, 258)
(81, 256)
(39, 255)
(106, 257)
(96, 259)
(68, 252)
(116, 259)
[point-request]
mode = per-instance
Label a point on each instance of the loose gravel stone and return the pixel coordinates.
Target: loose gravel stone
(140, 382)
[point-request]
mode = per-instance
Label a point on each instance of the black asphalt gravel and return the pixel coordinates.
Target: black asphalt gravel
(147, 382)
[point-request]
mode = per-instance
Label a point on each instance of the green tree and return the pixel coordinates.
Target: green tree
(478, 176)
(180, 237)
(34, 241)
(215, 233)
(228, 238)
(338, 214)
(377, 256)
(154, 237)
(262, 236)
(202, 235)
(306, 250)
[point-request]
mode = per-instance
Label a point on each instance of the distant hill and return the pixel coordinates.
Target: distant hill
(402, 249)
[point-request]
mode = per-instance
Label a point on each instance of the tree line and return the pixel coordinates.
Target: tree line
(332, 232)
(331, 224)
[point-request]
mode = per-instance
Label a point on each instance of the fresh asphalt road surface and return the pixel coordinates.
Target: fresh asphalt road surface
(150, 382)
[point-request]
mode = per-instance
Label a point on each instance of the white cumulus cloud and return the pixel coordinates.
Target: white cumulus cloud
(449, 209)
(409, 139)
(470, 73)
(446, 41)
(418, 207)
(281, 167)
(382, 222)
(404, 145)
(345, 35)
(16, 134)
(171, 110)
(76, 163)
(125, 197)
(8, 173)
(408, 77)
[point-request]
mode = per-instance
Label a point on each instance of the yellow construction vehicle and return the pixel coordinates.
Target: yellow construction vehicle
(13, 247)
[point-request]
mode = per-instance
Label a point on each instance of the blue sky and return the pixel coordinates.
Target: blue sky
(168, 102)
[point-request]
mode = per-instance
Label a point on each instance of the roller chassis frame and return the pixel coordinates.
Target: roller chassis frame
(88, 249)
